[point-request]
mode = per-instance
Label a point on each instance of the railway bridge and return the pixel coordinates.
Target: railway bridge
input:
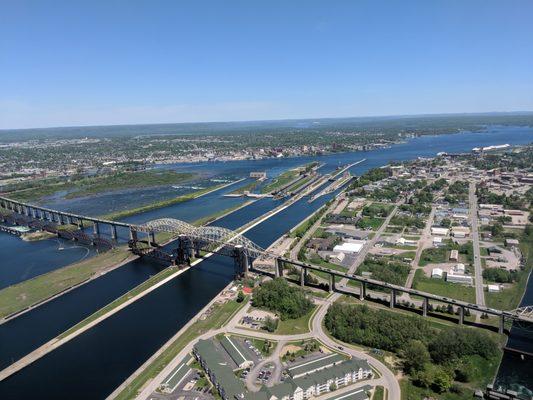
(192, 240)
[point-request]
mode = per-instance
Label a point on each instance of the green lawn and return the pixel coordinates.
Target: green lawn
(379, 393)
(434, 255)
(24, 294)
(373, 223)
(220, 315)
(443, 288)
(295, 326)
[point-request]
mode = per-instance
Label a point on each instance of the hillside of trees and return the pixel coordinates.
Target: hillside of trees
(434, 358)
(289, 302)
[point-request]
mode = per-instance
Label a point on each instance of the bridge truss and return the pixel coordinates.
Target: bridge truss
(211, 236)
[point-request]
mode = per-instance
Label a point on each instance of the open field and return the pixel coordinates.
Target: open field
(443, 288)
(295, 326)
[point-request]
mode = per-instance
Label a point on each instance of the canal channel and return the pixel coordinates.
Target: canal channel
(94, 363)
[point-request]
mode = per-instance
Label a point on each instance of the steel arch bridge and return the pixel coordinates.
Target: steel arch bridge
(210, 235)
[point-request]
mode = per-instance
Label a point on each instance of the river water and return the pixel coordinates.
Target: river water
(94, 363)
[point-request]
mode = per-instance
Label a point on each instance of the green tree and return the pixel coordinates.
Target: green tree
(415, 355)
(240, 297)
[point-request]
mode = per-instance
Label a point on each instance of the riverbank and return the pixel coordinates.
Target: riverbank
(85, 186)
(165, 203)
(33, 292)
(26, 295)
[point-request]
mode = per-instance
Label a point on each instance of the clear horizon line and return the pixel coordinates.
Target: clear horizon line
(272, 120)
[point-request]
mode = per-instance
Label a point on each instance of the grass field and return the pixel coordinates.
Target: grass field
(379, 393)
(220, 315)
(443, 288)
(17, 297)
(295, 326)
(370, 222)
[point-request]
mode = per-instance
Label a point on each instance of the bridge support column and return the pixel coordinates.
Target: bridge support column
(362, 291)
(278, 268)
(96, 229)
(133, 233)
(80, 224)
(152, 238)
(501, 328)
(114, 232)
(183, 250)
(331, 283)
(425, 304)
(69, 219)
(34, 213)
(242, 262)
(461, 315)
(26, 211)
(392, 298)
(60, 219)
(303, 273)
(197, 250)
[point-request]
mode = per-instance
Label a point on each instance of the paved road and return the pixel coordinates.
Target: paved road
(387, 378)
(472, 198)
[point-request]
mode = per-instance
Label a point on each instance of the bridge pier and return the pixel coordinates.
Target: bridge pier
(362, 291)
(331, 283)
(461, 315)
(242, 261)
(303, 273)
(278, 268)
(425, 304)
(501, 327)
(183, 250)
(59, 219)
(197, 249)
(113, 232)
(96, 229)
(152, 239)
(80, 224)
(133, 233)
(392, 298)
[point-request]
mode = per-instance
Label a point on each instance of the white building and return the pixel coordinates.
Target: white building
(349, 247)
(439, 231)
(493, 288)
(459, 268)
(437, 273)
(459, 278)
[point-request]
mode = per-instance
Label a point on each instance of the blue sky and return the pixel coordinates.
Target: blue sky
(111, 62)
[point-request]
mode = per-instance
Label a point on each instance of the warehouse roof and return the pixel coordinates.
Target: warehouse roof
(233, 386)
(313, 365)
(235, 350)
